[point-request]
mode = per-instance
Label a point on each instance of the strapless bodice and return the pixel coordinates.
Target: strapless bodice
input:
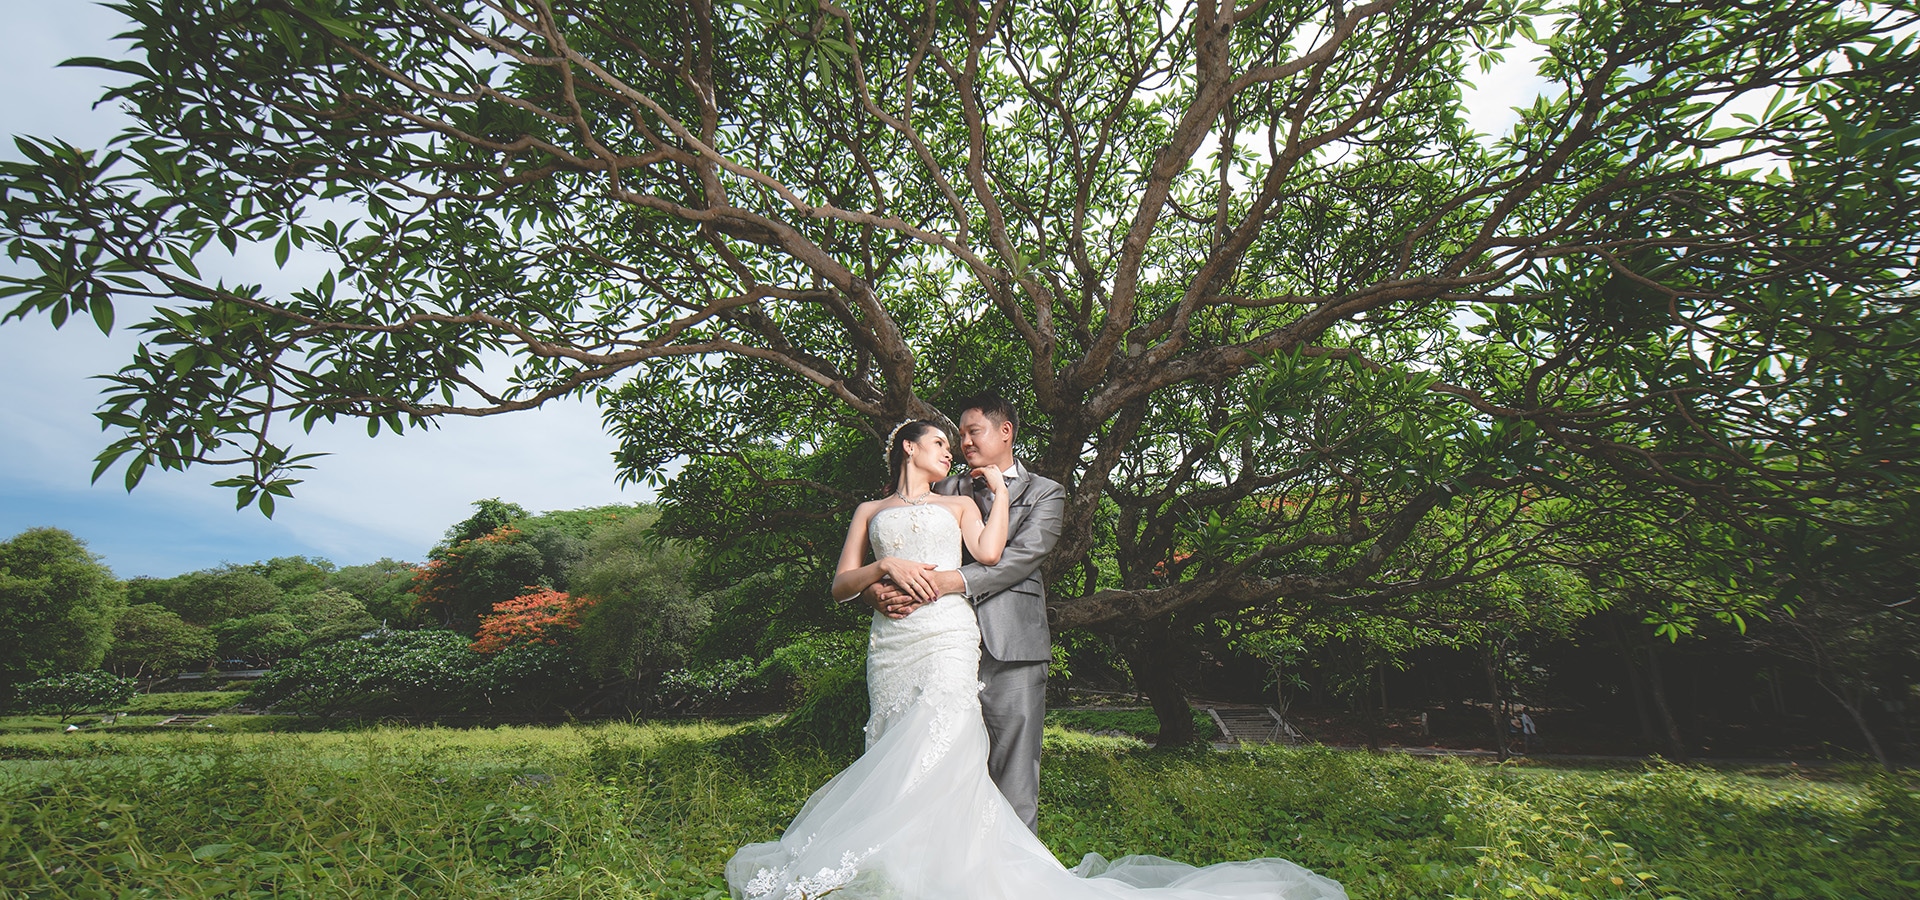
(926, 533)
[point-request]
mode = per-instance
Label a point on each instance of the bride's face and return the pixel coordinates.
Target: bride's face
(931, 454)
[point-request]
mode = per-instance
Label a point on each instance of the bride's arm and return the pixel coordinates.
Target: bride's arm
(986, 540)
(850, 577)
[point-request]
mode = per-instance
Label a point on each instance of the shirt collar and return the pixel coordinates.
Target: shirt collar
(1013, 472)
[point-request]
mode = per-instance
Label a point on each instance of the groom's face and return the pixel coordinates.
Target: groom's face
(984, 440)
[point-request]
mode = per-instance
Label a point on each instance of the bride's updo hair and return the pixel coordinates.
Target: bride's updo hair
(911, 430)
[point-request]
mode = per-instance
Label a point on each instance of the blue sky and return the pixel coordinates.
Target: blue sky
(391, 496)
(385, 497)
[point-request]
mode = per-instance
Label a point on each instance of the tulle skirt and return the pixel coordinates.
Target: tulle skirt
(917, 817)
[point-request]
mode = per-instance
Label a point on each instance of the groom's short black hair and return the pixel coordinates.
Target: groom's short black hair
(993, 406)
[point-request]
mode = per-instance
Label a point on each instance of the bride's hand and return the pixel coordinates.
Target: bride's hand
(995, 478)
(907, 575)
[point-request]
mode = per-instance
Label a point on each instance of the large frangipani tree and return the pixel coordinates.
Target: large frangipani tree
(1282, 322)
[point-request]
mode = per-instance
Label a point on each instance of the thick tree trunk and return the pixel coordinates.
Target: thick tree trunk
(1860, 721)
(1154, 663)
(1825, 675)
(1630, 656)
(1676, 744)
(1370, 713)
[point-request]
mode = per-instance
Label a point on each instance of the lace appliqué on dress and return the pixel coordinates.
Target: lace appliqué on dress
(988, 818)
(766, 882)
(951, 708)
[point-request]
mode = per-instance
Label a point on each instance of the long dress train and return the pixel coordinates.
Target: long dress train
(918, 818)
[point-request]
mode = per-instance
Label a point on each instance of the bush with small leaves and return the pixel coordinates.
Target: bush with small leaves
(77, 692)
(385, 673)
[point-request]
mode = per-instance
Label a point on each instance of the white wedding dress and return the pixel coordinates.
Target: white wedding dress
(918, 818)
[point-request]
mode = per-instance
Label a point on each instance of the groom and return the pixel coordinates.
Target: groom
(1008, 597)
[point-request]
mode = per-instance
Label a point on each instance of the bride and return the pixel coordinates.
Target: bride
(917, 817)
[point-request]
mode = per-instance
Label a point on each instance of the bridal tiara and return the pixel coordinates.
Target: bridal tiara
(893, 436)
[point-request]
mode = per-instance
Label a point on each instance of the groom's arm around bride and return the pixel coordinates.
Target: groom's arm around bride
(1009, 599)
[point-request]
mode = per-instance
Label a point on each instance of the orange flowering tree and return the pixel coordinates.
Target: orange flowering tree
(461, 582)
(545, 616)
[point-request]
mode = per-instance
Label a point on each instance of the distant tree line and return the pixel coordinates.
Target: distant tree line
(65, 612)
(720, 591)
(493, 594)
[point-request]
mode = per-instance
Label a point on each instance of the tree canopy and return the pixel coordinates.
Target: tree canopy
(57, 607)
(1284, 325)
(150, 638)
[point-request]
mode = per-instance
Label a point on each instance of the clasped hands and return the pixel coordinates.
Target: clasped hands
(906, 585)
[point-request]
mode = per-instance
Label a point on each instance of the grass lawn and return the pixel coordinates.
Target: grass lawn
(1138, 723)
(143, 709)
(183, 702)
(613, 810)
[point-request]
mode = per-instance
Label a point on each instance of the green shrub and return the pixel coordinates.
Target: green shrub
(388, 672)
(530, 678)
(681, 688)
(833, 716)
(74, 693)
(420, 673)
(821, 655)
(1139, 723)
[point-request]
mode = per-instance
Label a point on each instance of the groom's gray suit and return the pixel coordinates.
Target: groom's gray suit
(1010, 600)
